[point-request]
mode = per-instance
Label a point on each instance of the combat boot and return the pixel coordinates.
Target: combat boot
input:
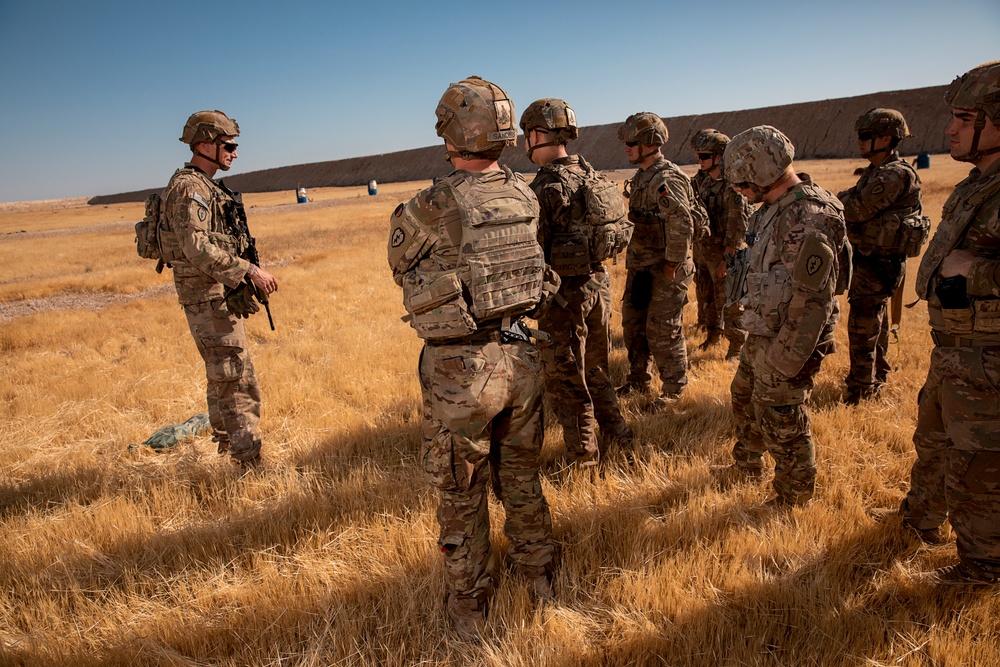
(221, 439)
(632, 388)
(931, 536)
(959, 574)
(467, 616)
(714, 338)
(539, 582)
(665, 401)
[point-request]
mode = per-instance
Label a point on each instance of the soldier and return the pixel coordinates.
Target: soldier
(199, 239)
(466, 254)
(796, 257)
(576, 360)
(659, 260)
(887, 193)
(727, 214)
(957, 429)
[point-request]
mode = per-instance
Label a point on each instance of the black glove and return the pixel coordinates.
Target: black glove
(240, 301)
(642, 290)
(951, 292)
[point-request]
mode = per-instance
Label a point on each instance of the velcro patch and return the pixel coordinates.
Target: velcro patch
(399, 211)
(815, 267)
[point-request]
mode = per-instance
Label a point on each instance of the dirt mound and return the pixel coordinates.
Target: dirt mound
(819, 130)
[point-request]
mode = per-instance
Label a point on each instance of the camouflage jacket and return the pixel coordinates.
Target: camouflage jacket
(891, 189)
(659, 201)
(792, 279)
(728, 211)
(969, 221)
(195, 238)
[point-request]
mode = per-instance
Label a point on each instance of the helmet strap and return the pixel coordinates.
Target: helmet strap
(975, 153)
(214, 160)
(532, 147)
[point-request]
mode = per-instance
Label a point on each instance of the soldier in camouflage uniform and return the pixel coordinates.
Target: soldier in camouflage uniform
(887, 192)
(958, 430)
(479, 373)
(798, 244)
(659, 260)
(200, 244)
(575, 361)
(727, 214)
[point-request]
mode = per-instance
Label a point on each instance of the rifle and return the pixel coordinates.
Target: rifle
(236, 217)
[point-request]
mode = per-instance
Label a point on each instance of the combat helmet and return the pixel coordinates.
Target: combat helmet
(758, 157)
(477, 118)
(645, 128)
(709, 141)
(554, 117)
(881, 123)
(977, 89)
(208, 126)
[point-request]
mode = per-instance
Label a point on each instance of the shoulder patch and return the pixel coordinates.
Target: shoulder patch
(813, 271)
(663, 189)
(878, 189)
(399, 211)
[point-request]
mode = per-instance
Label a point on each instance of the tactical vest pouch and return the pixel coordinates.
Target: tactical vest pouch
(437, 308)
(845, 266)
(737, 267)
(914, 232)
(570, 253)
(147, 230)
(959, 321)
(987, 316)
(226, 242)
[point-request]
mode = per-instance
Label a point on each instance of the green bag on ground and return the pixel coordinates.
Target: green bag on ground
(168, 436)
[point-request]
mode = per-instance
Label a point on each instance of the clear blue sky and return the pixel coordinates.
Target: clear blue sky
(93, 95)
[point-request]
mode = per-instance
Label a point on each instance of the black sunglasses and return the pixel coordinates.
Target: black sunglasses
(706, 156)
(631, 144)
(230, 146)
(743, 185)
(866, 136)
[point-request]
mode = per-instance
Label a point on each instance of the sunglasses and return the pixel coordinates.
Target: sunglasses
(866, 136)
(706, 156)
(743, 185)
(230, 146)
(631, 144)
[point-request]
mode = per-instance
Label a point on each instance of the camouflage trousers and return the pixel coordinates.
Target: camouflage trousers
(957, 438)
(233, 391)
(575, 363)
(771, 416)
(653, 331)
(710, 291)
(875, 279)
(482, 423)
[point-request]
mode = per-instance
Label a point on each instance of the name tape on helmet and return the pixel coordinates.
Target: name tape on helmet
(502, 135)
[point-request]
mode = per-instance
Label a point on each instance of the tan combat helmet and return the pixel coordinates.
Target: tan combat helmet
(644, 128)
(881, 123)
(554, 117)
(757, 158)
(208, 126)
(477, 118)
(977, 89)
(709, 141)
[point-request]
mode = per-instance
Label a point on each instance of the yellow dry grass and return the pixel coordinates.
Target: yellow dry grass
(114, 557)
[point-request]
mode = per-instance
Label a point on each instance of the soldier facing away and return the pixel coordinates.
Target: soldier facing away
(465, 252)
(798, 244)
(575, 361)
(727, 214)
(877, 211)
(199, 238)
(659, 260)
(957, 437)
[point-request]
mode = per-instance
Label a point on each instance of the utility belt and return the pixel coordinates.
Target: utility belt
(942, 339)
(496, 332)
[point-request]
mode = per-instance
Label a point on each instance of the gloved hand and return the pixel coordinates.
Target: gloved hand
(240, 301)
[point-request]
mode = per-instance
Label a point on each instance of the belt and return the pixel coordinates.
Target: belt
(947, 340)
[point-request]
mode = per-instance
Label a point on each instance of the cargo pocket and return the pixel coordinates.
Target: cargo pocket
(225, 358)
(436, 460)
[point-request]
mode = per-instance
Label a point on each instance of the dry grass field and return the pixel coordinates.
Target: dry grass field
(118, 557)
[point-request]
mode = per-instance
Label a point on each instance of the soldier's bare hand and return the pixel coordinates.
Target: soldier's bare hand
(262, 280)
(957, 263)
(669, 272)
(720, 271)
